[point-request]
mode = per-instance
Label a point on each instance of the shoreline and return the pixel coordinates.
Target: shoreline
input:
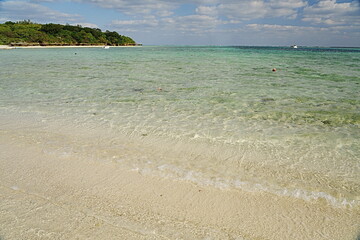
(9, 47)
(6, 47)
(54, 194)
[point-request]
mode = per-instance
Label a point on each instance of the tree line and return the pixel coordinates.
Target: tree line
(28, 33)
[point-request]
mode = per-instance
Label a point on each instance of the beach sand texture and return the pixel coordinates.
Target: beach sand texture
(47, 194)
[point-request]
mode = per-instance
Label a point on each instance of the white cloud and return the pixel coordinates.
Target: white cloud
(275, 27)
(136, 23)
(85, 24)
(136, 7)
(253, 9)
(194, 24)
(289, 4)
(291, 29)
(232, 9)
(164, 13)
(210, 17)
(40, 1)
(207, 10)
(18, 10)
(330, 12)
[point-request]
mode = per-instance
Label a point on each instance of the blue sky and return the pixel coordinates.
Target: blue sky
(204, 22)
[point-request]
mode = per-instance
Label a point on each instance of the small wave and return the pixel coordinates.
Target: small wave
(173, 172)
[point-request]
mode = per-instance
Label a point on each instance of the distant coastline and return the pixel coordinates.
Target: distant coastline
(9, 47)
(29, 34)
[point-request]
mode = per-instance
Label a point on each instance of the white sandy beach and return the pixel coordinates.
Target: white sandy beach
(51, 194)
(6, 47)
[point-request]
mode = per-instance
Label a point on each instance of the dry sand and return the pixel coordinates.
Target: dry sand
(50, 195)
(6, 47)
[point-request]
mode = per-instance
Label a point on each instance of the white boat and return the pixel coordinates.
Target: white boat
(106, 47)
(294, 46)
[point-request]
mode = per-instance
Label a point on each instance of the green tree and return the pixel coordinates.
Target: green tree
(51, 28)
(29, 33)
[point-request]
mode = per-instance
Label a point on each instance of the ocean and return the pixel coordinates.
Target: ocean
(214, 116)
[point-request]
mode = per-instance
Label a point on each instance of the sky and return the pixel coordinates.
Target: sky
(204, 22)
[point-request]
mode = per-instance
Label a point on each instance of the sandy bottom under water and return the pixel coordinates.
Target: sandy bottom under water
(46, 194)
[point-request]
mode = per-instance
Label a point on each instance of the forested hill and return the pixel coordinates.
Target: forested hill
(26, 33)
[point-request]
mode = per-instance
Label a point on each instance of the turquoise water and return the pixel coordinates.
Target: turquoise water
(216, 115)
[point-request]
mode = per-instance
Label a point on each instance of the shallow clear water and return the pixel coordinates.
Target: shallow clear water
(215, 115)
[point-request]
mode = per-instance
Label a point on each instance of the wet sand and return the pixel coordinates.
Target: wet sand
(48, 194)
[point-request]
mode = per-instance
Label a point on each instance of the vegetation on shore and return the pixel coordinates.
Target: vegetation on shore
(27, 33)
